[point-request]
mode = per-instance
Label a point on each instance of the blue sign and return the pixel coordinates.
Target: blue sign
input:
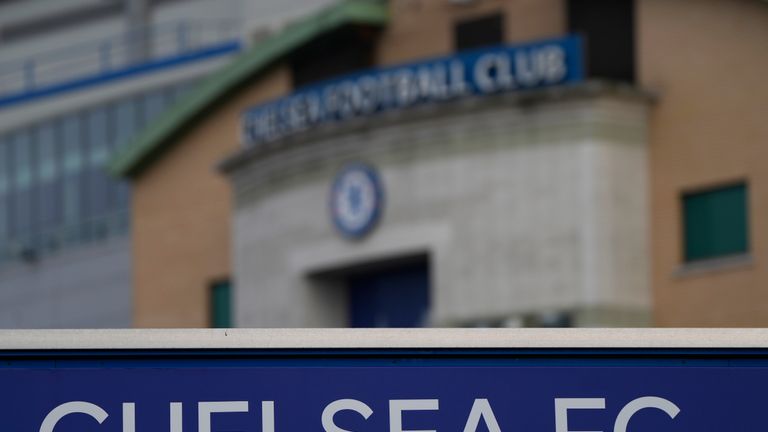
(473, 73)
(384, 391)
(356, 200)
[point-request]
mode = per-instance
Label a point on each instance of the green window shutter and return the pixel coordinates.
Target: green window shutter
(716, 223)
(221, 305)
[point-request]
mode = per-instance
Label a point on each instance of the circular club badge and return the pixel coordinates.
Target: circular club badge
(356, 200)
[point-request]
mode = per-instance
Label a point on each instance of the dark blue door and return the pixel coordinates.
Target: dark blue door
(395, 297)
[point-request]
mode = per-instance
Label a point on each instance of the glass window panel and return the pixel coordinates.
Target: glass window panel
(125, 116)
(99, 182)
(3, 233)
(154, 105)
(49, 187)
(72, 144)
(97, 137)
(54, 187)
(71, 202)
(4, 179)
(46, 150)
(716, 223)
(22, 160)
(4, 183)
(35, 223)
(123, 203)
(22, 179)
(50, 213)
(97, 178)
(10, 193)
(110, 124)
(73, 161)
(126, 121)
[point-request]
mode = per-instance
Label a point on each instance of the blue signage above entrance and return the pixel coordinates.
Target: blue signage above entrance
(380, 390)
(472, 73)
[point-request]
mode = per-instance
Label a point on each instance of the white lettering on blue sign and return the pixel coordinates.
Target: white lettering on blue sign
(480, 411)
(480, 72)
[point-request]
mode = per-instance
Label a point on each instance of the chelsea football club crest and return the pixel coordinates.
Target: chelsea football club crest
(356, 200)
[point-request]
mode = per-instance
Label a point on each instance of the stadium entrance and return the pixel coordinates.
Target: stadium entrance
(395, 296)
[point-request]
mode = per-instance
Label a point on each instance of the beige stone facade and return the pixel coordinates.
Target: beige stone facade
(181, 214)
(707, 62)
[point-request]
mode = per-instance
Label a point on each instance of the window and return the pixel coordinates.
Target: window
(715, 222)
(22, 185)
(337, 53)
(155, 103)
(608, 28)
(54, 189)
(126, 121)
(98, 180)
(49, 197)
(98, 137)
(4, 187)
(221, 305)
(479, 32)
(72, 176)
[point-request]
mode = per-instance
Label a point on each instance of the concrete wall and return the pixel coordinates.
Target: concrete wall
(87, 287)
(706, 60)
(181, 213)
(521, 208)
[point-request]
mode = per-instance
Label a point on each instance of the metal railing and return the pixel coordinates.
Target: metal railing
(114, 53)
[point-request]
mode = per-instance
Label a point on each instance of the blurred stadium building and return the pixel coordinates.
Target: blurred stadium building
(78, 79)
(366, 167)
(289, 193)
(416, 163)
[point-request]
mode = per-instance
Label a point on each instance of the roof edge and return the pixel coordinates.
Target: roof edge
(426, 338)
(158, 136)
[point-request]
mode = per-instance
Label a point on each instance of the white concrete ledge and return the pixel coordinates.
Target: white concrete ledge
(381, 338)
(707, 266)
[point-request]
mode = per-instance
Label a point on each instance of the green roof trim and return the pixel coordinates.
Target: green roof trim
(159, 134)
